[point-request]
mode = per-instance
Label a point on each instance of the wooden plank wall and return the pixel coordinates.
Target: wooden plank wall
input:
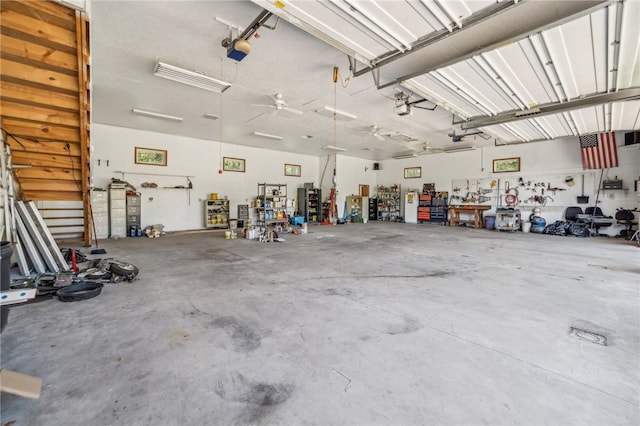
(44, 100)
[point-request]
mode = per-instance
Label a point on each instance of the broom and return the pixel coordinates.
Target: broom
(97, 250)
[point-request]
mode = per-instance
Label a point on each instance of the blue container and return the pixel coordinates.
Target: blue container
(538, 224)
(490, 222)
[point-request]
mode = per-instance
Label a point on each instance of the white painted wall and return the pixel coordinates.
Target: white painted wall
(201, 159)
(350, 174)
(193, 157)
(542, 159)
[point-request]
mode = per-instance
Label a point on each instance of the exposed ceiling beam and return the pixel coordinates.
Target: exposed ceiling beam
(479, 34)
(557, 108)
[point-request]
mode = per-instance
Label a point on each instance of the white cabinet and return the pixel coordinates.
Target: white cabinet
(100, 213)
(118, 210)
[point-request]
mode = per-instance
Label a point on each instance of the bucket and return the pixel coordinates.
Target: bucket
(490, 222)
(227, 235)
(6, 250)
(526, 226)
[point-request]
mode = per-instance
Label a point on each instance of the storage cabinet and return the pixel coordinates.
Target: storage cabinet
(243, 215)
(432, 207)
(216, 214)
(309, 204)
(133, 211)
(389, 203)
(272, 203)
(117, 210)
(100, 213)
(373, 209)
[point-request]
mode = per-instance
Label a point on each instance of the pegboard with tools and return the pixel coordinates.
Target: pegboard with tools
(474, 191)
(541, 190)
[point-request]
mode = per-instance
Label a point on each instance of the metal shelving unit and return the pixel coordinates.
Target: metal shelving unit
(389, 203)
(309, 204)
(272, 203)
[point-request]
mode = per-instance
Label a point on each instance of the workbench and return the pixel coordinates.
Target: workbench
(454, 214)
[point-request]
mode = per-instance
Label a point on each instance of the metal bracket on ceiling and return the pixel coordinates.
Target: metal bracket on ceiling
(557, 108)
(253, 27)
(375, 74)
(415, 104)
(260, 21)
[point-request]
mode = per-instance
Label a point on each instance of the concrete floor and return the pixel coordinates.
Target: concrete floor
(367, 324)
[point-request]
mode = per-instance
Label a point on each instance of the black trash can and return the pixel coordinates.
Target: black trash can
(6, 250)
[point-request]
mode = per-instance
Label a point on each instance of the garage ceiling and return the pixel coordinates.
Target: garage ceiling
(499, 72)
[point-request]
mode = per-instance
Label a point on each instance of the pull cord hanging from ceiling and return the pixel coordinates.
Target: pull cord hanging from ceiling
(220, 128)
(332, 196)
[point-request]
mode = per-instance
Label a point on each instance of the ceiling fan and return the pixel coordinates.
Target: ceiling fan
(279, 105)
(428, 149)
(376, 132)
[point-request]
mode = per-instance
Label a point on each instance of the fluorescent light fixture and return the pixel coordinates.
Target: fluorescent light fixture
(190, 78)
(458, 149)
(267, 135)
(335, 148)
(340, 115)
(404, 137)
(156, 115)
(402, 156)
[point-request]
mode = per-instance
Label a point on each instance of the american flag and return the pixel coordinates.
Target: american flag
(599, 151)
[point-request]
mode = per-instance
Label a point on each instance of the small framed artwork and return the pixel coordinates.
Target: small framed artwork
(233, 164)
(502, 165)
(412, 172)
(292, 170)
(149, 156)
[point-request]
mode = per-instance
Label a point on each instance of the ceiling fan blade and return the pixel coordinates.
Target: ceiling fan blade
(293, 110)
(262, 105)
(256, 117)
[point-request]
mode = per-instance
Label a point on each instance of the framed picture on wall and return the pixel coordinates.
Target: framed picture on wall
(149, 156)
(412, 172)
(233, 164)
(502, 165)
(292, 169)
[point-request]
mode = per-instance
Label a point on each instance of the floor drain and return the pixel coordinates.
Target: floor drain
(598, 339)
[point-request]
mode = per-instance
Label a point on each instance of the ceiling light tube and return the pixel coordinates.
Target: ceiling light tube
(157, 115)
(400, 157)
(458, 149)
(190, 78)
(335, 148)
(267, 135)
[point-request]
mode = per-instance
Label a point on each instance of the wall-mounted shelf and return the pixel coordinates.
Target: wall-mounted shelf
(149, 174)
